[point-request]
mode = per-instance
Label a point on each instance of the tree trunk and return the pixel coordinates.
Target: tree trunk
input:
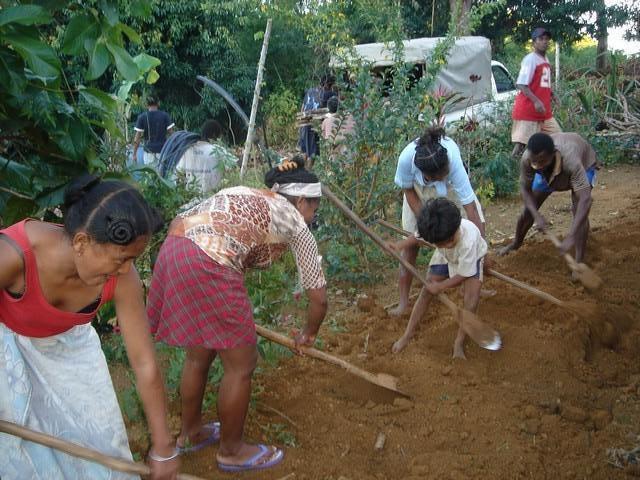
(461, 9)
(602, 61)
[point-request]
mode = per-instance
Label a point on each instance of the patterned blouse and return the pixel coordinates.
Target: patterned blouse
(243, 227)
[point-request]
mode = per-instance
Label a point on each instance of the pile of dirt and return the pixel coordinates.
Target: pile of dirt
(562, 391)
(549, 403)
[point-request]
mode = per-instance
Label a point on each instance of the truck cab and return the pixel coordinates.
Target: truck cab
(503, 91)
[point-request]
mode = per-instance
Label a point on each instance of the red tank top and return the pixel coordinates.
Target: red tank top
(31, 315)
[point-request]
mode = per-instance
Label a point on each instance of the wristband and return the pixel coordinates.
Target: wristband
(158, 458)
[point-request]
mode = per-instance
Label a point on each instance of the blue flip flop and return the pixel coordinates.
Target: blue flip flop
(214, 437)
(254, 463)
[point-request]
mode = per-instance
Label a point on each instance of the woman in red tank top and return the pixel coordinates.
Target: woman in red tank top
(53, 375)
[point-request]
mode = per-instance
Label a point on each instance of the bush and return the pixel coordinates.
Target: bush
(280, 110)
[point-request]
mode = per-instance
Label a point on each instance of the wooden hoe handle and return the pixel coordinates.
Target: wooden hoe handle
(114, 463)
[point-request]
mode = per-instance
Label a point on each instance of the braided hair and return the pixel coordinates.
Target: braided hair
(439, 220)
(109, 211)
(431, 157)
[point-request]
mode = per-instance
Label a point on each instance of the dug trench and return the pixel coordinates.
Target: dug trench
(562, 390)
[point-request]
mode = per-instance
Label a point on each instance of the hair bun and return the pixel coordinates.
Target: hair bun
(120, 232)
(287, 165)
(79, 187)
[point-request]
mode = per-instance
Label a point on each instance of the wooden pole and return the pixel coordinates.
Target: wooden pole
(557, 63)
(256, 98)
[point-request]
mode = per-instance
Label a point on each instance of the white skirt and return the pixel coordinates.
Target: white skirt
(60, 386)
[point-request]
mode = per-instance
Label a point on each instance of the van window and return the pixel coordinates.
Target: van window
(502, 78)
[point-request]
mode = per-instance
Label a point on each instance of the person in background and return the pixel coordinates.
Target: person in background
(532, 107)
(154, 125)
(336, 126)
(314, 98)
(205, 161)
(53, 374)
(427, 167)
(198, 301)
(556, 163)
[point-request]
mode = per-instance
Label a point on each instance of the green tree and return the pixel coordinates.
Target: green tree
(52, 116)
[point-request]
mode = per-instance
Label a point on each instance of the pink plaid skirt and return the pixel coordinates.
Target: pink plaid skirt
(194, 300)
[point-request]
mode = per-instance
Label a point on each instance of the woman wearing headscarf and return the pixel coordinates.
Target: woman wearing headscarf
(197, 299)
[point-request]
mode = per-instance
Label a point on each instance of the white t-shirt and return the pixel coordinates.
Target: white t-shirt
(407, 174)
(205, 162)
(463, 258)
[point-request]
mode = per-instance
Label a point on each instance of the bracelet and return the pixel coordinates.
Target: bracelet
(158, 458)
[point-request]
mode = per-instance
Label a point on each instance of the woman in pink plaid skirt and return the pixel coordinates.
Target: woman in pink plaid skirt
(197, 299)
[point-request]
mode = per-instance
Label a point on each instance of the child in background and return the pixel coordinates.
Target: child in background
(458, 260)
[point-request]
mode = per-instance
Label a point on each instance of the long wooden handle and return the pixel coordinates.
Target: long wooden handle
(556, 242)
(312, 352)
(381, 243)
(114, 463)
(525, 286)
(493, 273)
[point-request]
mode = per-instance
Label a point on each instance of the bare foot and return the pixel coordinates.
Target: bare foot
(507, 249)
(458, 351)
(399, 345)
(401, 309)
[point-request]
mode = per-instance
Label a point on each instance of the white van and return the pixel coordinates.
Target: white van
(482, 83)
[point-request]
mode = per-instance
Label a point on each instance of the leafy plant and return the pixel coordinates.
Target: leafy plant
(52, 113)
(278, 433)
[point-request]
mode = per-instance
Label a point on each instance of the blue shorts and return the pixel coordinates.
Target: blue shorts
(442, 270)
(539, 183)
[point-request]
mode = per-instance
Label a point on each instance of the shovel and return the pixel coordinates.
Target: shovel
(114, 463)
(383, 380)
(478, 331)
(581, 309)
(587, 277)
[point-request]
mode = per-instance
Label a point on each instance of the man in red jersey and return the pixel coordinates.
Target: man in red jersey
(532, 107)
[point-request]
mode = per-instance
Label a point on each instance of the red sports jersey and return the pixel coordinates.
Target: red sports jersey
(535, 71)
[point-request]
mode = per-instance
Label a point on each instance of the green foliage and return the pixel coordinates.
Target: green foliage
(279, 433)
(129, 401)
(51, 118)
(270, 289)
(114, 349)
(279, 110)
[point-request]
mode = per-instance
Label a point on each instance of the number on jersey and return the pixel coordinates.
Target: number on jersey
(545, 79)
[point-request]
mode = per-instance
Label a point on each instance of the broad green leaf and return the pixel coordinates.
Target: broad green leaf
(29, 75)
(79, 30)
(18, 208)
(146, 62)
(24, 15)
(51, 198)
(152, 77)
(98, 99)
(110, 11)
(140, 8)
(124, 63)
(40, 57)
(76, 140)
(123, 91)
(10, 68)
(130, 33)
(15, 175)
(98, 58)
